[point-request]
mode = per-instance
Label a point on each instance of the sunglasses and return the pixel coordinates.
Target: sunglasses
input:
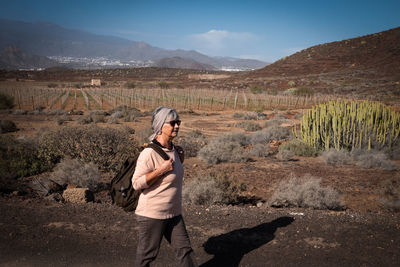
(172, 123)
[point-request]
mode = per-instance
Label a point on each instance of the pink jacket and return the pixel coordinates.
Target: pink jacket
(163, 200)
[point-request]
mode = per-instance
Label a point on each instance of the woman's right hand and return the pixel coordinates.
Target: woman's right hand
(166, 166)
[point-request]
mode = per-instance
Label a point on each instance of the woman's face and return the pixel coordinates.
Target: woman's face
(171, 128)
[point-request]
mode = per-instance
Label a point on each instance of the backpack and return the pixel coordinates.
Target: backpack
(122, 192)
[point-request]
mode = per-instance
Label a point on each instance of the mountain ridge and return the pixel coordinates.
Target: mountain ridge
(52, 40)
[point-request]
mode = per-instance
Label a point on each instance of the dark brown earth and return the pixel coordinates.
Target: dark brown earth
(41, 233)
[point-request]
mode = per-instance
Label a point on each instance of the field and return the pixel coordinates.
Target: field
(362, 230)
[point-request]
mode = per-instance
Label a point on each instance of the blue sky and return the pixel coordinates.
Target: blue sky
(265, 30)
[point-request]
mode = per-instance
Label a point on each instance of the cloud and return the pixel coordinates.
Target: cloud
(217, 41)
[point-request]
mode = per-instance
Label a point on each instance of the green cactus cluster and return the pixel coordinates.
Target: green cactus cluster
(349, 124)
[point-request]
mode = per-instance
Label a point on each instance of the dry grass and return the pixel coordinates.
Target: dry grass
(305, 192)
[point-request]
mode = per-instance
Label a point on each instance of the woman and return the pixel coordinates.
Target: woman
(160, 204)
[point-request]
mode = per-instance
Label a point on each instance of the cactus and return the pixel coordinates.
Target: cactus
(346, 125)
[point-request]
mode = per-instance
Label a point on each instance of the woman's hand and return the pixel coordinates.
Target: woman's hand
(167, 166)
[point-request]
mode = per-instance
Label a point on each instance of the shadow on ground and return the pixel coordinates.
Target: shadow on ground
(228, 249)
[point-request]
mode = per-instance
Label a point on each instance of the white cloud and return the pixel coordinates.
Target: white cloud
(217, 41)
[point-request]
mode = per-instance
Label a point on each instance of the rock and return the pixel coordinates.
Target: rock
(78, 195)
(259, 204)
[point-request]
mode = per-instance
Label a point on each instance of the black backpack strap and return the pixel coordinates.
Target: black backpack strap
(159, 150)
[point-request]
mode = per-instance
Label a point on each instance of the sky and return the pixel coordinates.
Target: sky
(265, 30)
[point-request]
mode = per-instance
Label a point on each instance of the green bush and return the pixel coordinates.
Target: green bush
(255, 89)
(105, 147)
(20, 158)
(299, 148)
(6, 101)
(130, 85)
(7, 126)
(305, 192)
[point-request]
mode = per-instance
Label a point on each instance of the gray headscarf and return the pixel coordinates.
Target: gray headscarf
(160, 116)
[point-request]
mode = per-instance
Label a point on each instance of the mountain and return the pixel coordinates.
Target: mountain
(13, 58)
(377, 53)
(51, 40)
(181, 63)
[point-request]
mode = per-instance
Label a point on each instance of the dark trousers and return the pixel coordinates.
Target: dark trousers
(150, 234)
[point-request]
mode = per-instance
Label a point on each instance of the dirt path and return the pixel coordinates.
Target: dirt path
(41, 233)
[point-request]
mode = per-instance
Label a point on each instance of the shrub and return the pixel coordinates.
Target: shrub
(227, 148)
(372, 159)
(6, 101)
(255, 115)
(284, 155)
(299, 148)
(7, 126)
(248, 126)
(192, 142)
(304, 91)
(74, 172)
(259, 150)
(112, 120)
(212, 189)
(105, 147)
(390, 193)
(52, 85)
(96, 118)
(130, 85)
(271, 133)
(84, 120)
(117, 114)
(61, 119)
(142, 135)
(255, 89)
(335, 157)
(305, 192)
(20, 157)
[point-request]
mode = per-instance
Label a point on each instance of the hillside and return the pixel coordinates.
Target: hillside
(13, 58)
(182, 63)
(378, 53)
(80, 49)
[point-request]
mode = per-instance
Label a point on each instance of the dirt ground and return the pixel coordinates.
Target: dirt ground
(39, 232)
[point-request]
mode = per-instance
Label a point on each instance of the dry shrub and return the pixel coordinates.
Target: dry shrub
(248, 126)
(226, 148)
(255, 115)
(305, 192)
(142, 135)
(74, 172)
(390, 191)
(105, 147)
(87, 119)
(192, 142)
(7, 126)
(213, 188)
(299, 148)
(372, 159)
(259, 150)
(336, 157)
(284, 155)
(269, 134)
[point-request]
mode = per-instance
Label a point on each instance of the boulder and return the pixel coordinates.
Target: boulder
(78, 195)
